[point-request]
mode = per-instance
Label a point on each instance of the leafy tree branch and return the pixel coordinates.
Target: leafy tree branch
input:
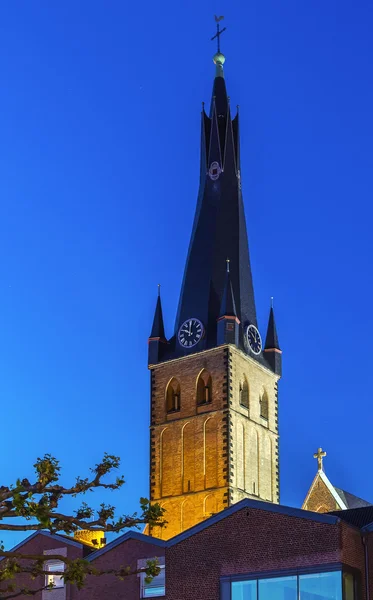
(37, 503)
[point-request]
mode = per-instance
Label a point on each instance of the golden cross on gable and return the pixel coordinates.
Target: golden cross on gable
(320, 454)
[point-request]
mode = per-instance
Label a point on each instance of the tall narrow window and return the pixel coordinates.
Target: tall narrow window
(156, 587)
(264, 406)
(244, 393)
(173, 396)
(54, 578)
(204, 388)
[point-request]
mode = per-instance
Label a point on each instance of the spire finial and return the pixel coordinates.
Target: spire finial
(271, 301)
(320, 454)
(219, 58)
(227, 261)
(159, 289)
(218, 31)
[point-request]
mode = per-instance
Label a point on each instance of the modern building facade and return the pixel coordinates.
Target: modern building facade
(252, 550)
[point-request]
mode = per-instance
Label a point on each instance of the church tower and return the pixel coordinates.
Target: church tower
(214, 405)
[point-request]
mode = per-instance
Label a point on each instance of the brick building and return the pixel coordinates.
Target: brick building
(252, 550)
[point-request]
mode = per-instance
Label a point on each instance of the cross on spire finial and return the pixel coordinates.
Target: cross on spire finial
(227, 261)
(320, 454)
(218, 31)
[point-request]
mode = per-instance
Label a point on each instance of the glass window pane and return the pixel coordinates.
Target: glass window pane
(348, 586)
(278, 588)
(56, 566)
(156, 587)
(244, 590)
(321, 586)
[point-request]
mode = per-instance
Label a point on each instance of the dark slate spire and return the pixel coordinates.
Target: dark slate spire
(158, 326)
(272, 348)
(228, 326)
(228, 305)
(219, 228)
(272, 337)
(157, 340)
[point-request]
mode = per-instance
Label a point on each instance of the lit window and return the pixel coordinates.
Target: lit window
(52, 578)
(157, 586)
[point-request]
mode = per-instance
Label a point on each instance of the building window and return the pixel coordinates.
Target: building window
(264, 406)
(157, 586)
(204, 388)
(54, 567)
(321, 586)
(311, 586)
(173, 396)
(244, 393)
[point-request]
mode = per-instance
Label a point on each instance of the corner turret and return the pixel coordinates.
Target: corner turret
(273, 352)
(228, 322)
(157, 339)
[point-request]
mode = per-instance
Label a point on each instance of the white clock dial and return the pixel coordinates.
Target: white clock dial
(190, 333)
(253, 339)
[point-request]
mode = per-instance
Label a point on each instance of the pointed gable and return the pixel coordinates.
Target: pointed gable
(323, 496)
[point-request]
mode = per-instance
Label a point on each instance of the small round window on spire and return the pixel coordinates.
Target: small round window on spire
(214, 171)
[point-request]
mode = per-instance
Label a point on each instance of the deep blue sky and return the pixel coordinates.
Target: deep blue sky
(99, 166)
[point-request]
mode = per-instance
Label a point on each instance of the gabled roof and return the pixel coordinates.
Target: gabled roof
(259, 505)
(60, 538)
(359, 517)
(352, 501)
(130, 535)
(344, 499)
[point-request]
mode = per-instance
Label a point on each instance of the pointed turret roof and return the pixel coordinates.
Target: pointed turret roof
(158, 325)
(228, 305)
(272, 337)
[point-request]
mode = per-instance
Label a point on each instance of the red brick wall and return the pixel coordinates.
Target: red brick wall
(189, 448)
(108, 587)
(37, 546)
(369, 540)
(250, 540)
(353, 550)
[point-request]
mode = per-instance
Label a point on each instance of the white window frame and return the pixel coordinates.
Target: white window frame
(57, 580)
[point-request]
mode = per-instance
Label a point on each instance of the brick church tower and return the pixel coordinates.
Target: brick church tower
(214, 406)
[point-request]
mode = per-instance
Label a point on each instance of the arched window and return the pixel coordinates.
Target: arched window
(244, 393)
(204, 388)
(264, 406)
(173, 396)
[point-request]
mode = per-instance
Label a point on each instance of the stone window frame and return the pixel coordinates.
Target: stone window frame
(205, 377)
(174, 405)
(244, 383)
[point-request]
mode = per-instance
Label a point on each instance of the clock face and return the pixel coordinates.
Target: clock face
(254, 340)
(190, 333)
